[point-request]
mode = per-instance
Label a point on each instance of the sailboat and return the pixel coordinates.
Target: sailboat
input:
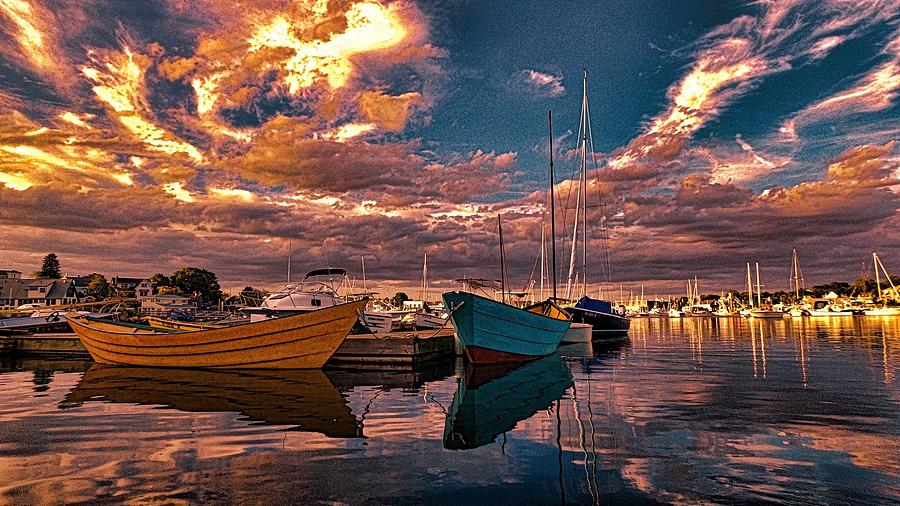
(493, 331)
(599, 314)
(763, 311)
(884, 309)
(426, 318)
(695, 308)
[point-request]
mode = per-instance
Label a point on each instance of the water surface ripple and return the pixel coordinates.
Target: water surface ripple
(794, 411)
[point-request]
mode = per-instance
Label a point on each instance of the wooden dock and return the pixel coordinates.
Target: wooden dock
(394, 350)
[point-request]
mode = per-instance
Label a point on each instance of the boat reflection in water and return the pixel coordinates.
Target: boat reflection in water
(304, 399)
(491, 400)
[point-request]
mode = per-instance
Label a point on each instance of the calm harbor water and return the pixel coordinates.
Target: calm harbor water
(727, 410)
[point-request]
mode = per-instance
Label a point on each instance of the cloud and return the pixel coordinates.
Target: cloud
(537, 84)
(390, 113)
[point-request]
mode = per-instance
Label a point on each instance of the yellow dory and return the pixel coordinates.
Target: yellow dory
(303, 341)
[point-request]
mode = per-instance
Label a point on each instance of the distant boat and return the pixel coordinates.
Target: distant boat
(699, 311)
(490, 331)
(605, 321)
(491, 400)
(300, 341)
(884, 309)
(305, 399)
(826, 308)
(428, 318)
(317, 290)
(766, 313)
(600, 314)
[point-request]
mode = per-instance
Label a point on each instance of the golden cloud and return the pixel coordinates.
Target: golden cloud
(388, 112)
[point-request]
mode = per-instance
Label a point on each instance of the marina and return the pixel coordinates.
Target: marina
(411, 252)
(696, 399)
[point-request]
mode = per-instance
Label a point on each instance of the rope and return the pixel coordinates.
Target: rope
(449, 315)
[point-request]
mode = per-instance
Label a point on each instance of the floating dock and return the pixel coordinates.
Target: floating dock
(393, 350)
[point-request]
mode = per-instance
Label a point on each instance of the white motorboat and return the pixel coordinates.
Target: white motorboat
(826, 308)
(318, 289)
(699, 311)
(766, 313)
(578, 333)
(882, 311)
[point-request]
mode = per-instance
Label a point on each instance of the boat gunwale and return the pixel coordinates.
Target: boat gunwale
(201, 332)
(536, 315)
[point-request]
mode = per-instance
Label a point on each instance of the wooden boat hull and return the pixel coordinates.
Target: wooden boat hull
(304, 341)
(491, 332)
(305, 399)
(492, 399)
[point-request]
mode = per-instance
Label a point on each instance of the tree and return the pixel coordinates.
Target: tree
(168, 290)
(160, 280)
(50, 267)
(399, 298)
(193, 280)
(98, 287)
(252, 295)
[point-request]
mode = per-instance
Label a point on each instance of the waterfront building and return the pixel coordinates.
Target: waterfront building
(139, 288)
(16, 291)
(163, 305)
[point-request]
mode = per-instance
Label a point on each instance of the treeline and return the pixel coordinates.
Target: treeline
(200, 284)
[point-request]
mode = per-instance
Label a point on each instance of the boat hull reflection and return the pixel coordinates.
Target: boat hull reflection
(304, 399)
(491, 400)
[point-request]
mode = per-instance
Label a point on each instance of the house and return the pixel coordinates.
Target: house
(80, 285)
(41, 291)
(9, 274)
(13, 292)
(138, 288)
(163, 305)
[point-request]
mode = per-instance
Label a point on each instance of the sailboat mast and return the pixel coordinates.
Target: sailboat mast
(364, 273)
(877, 275)
(552, 202)
(571, 276)
(289, 261)
(758, 287)
(542, 261)
(502, 262)
(583, 183)
(425, 278)
(749, 285)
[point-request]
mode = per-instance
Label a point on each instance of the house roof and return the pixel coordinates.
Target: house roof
(13, 289)
(127, 283)
(81, 281)
(40, 282)
(59, 289)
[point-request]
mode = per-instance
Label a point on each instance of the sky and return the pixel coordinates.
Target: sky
(142, 137)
